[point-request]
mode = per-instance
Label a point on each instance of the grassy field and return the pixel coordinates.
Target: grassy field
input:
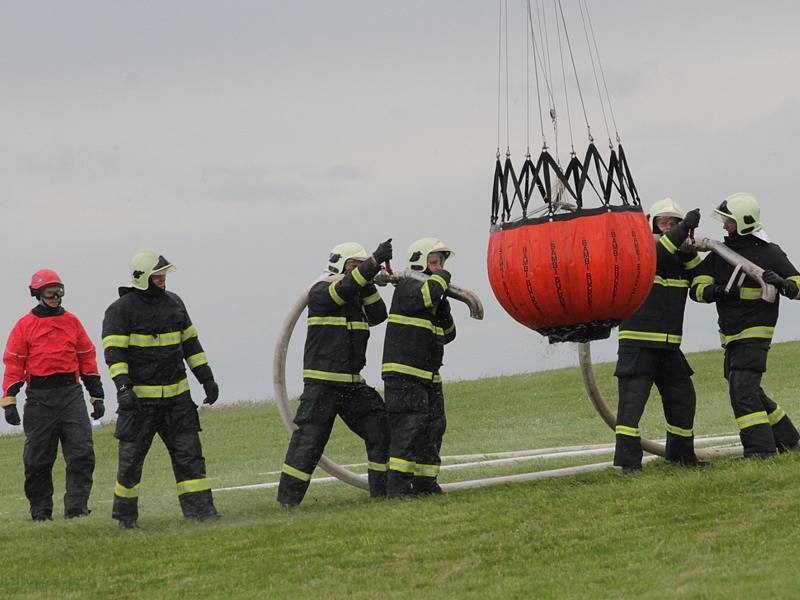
(730, 531)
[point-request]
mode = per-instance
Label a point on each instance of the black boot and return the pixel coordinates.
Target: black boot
(291, 490)
(198, 506)
(400, 485)
(211, 515)
(631, 469)
(691, 462)
(427, 486)
(757, 456)
(377, 483)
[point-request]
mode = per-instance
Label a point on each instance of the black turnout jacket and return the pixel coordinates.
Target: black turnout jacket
(746, 317)
(420, 324)
(658, 323)
(340, 312)
(147, 338)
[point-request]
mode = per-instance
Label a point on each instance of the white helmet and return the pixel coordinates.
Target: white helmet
(341, 253)
(743, 208)
(147, 262)
(418, 252)
(663, 208)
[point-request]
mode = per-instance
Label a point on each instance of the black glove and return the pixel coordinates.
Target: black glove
(12, 415)
(692, 219)
(212, 392)
(719, 293)
(772, 278)
(126, 399)
(99, 408)
(383, 252)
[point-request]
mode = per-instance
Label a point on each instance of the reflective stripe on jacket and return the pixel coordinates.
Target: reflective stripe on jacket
(147, 337)
(658, 323)
(340, 312)
(746, 317)
(420, 324)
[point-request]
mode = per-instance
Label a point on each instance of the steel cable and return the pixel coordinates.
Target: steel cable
(602, 72)
(566, 89)
(499, 71)
(575, 71)
(536, 75)
(508, 130)
(594, 72)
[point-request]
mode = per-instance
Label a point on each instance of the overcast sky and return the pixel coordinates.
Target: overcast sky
(244, 139)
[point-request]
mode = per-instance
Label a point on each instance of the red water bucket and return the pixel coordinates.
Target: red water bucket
(573, 276)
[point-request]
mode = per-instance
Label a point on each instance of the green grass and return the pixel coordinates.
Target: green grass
(731, 531)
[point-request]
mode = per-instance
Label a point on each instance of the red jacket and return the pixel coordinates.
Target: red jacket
(46, 345)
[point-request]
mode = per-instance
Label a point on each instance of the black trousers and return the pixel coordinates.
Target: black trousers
(764, 427)
(638, 368)
(52, 416)
(417, 422)
(430, 461)
(363, 411)
(176, 422)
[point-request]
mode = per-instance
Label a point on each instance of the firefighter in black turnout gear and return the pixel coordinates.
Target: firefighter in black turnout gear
(420, 324)
(649, 347)
(746, 323)
(49, 351)
(342, 305)
(147, 337)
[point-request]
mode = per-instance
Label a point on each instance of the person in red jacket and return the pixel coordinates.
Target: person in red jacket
(49, 351)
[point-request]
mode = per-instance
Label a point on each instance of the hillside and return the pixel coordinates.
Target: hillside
(666, 533)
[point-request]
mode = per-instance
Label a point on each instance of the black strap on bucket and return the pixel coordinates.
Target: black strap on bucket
(614, 176)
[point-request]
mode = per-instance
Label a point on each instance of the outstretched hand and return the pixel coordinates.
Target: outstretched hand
(383, 252)
(692, 218)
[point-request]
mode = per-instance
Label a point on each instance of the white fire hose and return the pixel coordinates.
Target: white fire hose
(476, 312)
(282, 347)
(741, 268)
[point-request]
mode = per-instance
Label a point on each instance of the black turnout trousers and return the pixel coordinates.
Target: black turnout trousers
(764, 427)
(638, 368)
(51, 416)
(176, 422)
(361, 408)
(417, 422)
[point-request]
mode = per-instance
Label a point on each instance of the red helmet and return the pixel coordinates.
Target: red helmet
(43, 278)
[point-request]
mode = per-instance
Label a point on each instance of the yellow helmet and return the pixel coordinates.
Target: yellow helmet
(147, 262)
(743, 208)
(663, 208)
(341, 253)
(418, 252)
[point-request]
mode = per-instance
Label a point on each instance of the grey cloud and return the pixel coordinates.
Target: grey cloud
(343, 172)
(291, 187)
(244, 143)
(253, 185)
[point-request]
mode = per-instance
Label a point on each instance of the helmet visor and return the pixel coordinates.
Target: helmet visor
(722, 213)
(164, 271)
(163, 266)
